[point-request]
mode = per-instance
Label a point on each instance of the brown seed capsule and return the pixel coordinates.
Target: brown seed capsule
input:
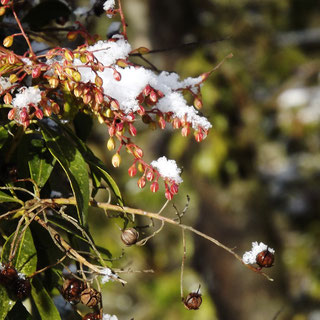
(193, 301)
(72, 289)
(92, 316)
(90, 297)
(21, 288)
(265, 259)
(130, 236)
(8, 275)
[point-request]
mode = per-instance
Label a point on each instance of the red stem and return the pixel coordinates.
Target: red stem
(123, 20)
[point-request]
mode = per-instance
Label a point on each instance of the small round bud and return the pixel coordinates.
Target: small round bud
(193, 301)
(90, 297)
(265, 259)
(130, 236)
(72, 289)
(141, 182)
(7, 42)
(116, 160)
(132, 171)
(110, 144)
(154, 187)
(21, 288)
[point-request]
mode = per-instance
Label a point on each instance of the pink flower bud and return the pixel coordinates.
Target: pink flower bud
(11, 114)
(160, 94)
(197, 102)
(153, 97)
(146, 91)
(137, 152)
(4, 2)
(162, 123)
(112, 131)
(132, 129)
(132, 171)
(23, 115)
(39, 114)
(185, 131)
(36, 72)
(150, 175)
(176, 123)
(198, 135)
(174, 188)
(116, 75)
(154, 187)
(141, 110)
(168, 195)
(119, 126)
(7, 98)
(98, 97)
(141, 182)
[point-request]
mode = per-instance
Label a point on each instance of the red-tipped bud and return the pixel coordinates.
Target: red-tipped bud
(174, 188)
(12, 59)
(150, 175)
(122, 63)
(68, 55)
(23, 115)
(116, 160)
(112, 131)
(36, 72)
(53, 82)
(7, 98)
(132, 171)
(119, 126)
(11, 114)
(198, 135)
(116, 75)
(140, 98)
(141, 182)
(47, 111)
(39, 114)
(87, 98)
(137, 152)
(132, 129)
(146, 91)
(160, 94)
(4, 2)
(168, 195)
(141, 110)
(55, 108)
(176, 123)
(98, 96)
(98, 81)
(114, 104)
(154, 187)
(185, 131)
(153, 96)
(162, 123)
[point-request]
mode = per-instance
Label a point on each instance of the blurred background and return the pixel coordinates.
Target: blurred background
(257, 175)
(255, 178)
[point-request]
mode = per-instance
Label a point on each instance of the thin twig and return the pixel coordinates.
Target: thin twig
(182, 262)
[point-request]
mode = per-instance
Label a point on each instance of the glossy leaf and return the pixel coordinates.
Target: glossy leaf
(73, 164)
(25, 259)
(96, 165)
(43, 301)
(4, 197)
(5, 302)
(4, 133)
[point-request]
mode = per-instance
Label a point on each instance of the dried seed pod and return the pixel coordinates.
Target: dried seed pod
(21, 288)
(265, 259)
(72, 289)
(92, 316)
(193, 301)
(130, 236)
(8, 275)
(90, 297)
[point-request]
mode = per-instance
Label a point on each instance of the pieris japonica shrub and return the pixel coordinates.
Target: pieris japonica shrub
(50, 177)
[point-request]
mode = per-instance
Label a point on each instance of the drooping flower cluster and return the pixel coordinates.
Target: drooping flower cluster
(100, 79)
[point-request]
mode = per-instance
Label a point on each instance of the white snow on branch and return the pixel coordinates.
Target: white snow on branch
(167, 169)
(249, 257)
(26, 96)
(109, 317)
(109, 4)
(4, 84)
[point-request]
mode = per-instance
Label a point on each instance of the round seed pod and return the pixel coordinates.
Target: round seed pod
(71, 290)
(8, 275)
(21, 288)
(193, 301)
(92, 316)
(130, 236)
(265, 259)
(90, 297)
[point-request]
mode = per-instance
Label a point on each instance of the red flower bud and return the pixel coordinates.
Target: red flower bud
(185, 131)
(150, 175)
(146, 91)
(23, 115)
(162, 123)
(36, 72)
(174, 188)
(198, 135)
(132, 171)
(168, 195)
(176, 123)
(132, 129)
(39, 114)
(112, 131)
(116, 75)
(7, 98)
(154, 187)
(11, 114)
(153, 97)
(141, 182)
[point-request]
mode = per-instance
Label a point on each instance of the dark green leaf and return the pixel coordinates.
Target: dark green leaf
(19, 312)
(5, 302)
(83, 125)
(6, 198)
(96, 165)
(25, 259)
(73, 164)
(43, 301)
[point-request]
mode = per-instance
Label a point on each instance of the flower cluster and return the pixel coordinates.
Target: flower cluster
(98, 78)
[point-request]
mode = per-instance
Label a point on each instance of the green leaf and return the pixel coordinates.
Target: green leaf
(43, 301)
(25, 259)
(5, 302)
(6, 198)
(19, 312)
(73, 164)
(96, 165)
(41, 164)
(4, 133)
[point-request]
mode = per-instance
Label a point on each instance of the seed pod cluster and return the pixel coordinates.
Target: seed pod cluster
(18, 287)
(90, 297)
(130, 236)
